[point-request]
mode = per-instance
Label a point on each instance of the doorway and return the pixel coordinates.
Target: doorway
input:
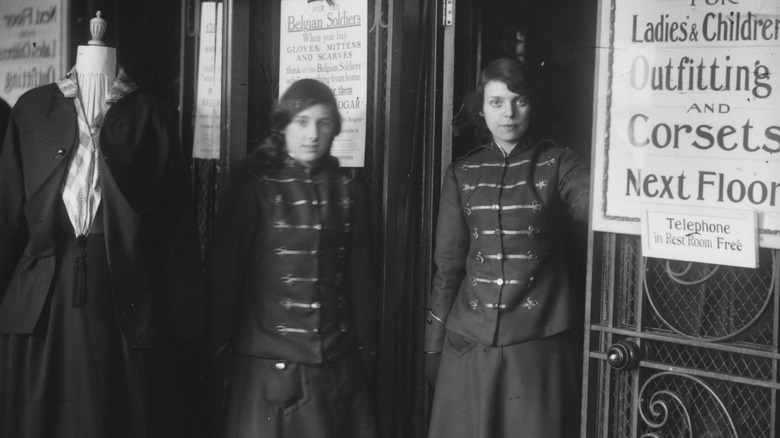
(556, 39)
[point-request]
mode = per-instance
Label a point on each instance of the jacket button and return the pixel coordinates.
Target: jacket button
(280, 365)
(500, 281)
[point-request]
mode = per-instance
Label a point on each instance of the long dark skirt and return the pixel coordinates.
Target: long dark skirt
(528, 390)
(312, 401)
(75, 377)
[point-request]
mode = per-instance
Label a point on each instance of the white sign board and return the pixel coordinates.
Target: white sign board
(701, 235)
(33, 45)
(688, 110)
(327, 41)
(208, 106)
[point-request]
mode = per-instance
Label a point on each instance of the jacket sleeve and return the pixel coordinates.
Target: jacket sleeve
(452, 247)
(361, 278)
(234, 233)
(574, 186)
(183, 282)
(13, 228)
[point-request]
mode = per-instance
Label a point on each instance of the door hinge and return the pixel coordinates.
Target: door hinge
(446, 17)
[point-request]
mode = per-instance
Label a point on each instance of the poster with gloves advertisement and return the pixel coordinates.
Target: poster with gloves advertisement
(688, 114)
(327, 41)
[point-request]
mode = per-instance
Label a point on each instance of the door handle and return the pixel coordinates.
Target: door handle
(624, 355)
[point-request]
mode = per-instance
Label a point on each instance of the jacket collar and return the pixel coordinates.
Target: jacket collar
(121, 87)
(327, 161)
(525, 142)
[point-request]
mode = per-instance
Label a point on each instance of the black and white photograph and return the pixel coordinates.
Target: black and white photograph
(389, 218)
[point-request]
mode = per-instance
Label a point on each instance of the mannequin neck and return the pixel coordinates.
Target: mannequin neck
(96, 60)
(96, 71)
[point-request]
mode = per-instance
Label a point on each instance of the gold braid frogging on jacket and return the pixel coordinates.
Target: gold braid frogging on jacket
(292, 271)
(501, 275)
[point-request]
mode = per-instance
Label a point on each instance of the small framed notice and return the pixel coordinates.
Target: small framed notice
(208, 107)
(706, 235)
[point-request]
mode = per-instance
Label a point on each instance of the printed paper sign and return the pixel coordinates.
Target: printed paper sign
(33, 45)
(688, 111)
(208, 109)
(327, 41)
(702, 235)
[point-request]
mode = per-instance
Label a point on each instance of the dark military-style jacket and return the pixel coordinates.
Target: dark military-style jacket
(292, 275)
(501, 272)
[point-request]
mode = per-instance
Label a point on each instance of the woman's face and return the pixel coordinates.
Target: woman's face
(507, 114)
(309, 135)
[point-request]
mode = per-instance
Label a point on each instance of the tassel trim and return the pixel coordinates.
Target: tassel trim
(80, 272)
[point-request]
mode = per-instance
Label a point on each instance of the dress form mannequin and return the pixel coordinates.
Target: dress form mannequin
(95, 75)
(96, 69)
(99, 358)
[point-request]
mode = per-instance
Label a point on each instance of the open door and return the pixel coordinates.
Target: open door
(555, 38)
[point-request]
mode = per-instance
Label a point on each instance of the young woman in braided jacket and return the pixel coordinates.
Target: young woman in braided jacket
(504, 349)
(293, 289)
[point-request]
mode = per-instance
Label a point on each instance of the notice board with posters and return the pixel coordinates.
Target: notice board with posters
(33, 45)
(328, 41)
(688, 113)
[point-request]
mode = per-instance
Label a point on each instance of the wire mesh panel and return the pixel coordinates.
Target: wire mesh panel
(681, 349)
(710, 302)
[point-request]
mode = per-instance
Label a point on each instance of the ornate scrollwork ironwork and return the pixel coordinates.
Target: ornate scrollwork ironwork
(657, 411)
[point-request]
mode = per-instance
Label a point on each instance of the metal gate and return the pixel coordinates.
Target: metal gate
(678, 349)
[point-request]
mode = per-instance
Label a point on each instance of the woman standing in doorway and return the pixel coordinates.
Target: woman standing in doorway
(293, 289)
(502, 310)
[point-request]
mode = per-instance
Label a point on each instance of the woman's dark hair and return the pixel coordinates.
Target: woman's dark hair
(301, 95)
(268, 150)
(511, 72)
